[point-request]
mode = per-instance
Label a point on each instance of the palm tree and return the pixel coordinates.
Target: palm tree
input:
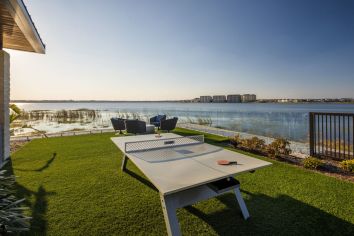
(15, 112)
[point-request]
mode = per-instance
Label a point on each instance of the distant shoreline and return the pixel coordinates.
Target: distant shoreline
(173, 101)
(81, 101)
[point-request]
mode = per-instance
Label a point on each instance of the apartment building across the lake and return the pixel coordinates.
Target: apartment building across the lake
(206, 99)
(219, 98)
(231, 98)
(234, 98)
(249, 98)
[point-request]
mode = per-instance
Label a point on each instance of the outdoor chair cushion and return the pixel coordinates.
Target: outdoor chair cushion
(169, 124)
(156, 120)
(118, 124)
(135, 126)
(159, 118)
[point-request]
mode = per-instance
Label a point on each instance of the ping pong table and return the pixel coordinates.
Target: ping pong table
(185, 170)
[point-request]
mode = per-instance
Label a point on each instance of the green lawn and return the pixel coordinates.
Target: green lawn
(74, 186)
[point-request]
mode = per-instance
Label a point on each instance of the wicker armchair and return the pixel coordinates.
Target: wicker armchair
(118, 124)
(156, 120)
(135, 126)
(169, 124)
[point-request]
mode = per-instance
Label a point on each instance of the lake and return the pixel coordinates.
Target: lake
(266, 119)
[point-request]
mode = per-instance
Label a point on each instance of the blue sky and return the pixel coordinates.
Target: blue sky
(152, 50)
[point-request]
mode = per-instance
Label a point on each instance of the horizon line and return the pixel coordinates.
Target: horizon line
(171, 100)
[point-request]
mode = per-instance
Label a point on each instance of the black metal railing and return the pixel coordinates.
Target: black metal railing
(332, 135)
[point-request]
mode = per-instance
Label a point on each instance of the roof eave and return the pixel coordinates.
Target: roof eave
(19, 12)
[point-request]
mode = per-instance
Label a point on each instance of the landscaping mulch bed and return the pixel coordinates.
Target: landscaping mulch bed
(330, 168)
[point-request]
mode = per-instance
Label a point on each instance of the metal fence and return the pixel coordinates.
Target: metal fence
(332, 135)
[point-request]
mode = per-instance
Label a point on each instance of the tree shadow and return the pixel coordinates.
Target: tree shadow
(282, 215)
(45, 166)
(38, 222)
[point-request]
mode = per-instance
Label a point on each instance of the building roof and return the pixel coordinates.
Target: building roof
(17, 28)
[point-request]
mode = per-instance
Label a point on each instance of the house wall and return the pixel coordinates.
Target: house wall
(4, 106)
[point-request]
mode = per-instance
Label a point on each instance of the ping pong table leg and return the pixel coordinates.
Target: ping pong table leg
(124, 162)
(169, 212)
(241, 203)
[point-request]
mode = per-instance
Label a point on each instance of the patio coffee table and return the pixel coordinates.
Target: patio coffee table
(150, 129)
(185, 170)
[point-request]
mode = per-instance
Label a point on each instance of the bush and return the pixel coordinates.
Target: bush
(11, 218)
(251, 144)
(312, 163)
(235, 141)
(254, 144)
(348, 165)
(278, 147)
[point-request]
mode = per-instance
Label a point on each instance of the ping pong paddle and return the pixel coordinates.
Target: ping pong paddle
(226, 162)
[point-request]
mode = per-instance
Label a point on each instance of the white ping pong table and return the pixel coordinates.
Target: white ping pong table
(185, 170)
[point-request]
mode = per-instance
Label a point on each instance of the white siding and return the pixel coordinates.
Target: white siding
(4, 106)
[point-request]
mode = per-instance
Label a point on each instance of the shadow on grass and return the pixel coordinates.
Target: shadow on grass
(38, 222)
(140, 179)
(45, 166)
(281, 215)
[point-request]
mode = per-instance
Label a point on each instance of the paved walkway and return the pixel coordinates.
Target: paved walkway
(61, 134)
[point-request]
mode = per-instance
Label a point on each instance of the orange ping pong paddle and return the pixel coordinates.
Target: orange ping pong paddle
(226, 162)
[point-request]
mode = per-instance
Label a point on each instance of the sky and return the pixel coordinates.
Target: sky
(166, 50)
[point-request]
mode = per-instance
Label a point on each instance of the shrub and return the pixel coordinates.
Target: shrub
(254, 143)
(312, 163)
(348, 165)
(278, 147)
(235, 141)
(11, 218)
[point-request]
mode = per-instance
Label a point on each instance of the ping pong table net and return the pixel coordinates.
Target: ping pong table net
(161, 143)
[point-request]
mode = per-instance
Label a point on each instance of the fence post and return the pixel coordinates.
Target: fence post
(311, 119)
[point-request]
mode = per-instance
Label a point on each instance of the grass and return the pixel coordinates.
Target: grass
(74, 186)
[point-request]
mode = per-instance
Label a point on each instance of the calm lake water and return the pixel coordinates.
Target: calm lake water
(272, 120)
